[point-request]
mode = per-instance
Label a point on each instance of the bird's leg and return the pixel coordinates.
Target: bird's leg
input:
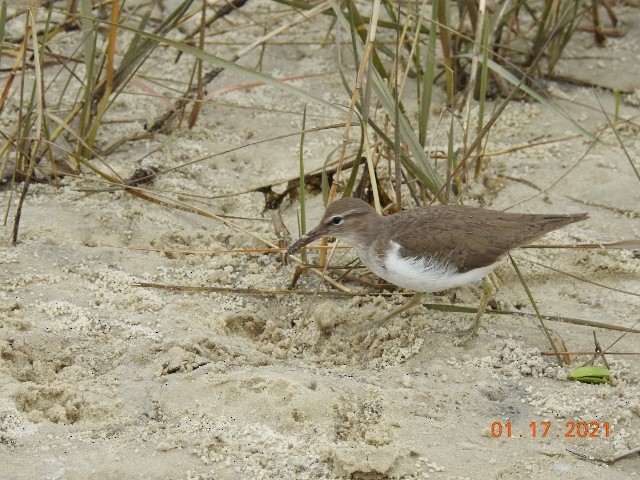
(413, 301)
(374, 325)
(488, 290)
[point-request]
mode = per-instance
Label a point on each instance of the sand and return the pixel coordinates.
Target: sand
(102, 378)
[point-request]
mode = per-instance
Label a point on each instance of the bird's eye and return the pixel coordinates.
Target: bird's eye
(337, 220)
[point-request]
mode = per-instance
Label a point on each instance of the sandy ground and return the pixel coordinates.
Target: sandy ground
(101, 378)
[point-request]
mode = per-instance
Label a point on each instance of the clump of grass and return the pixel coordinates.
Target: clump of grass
(63, 99)
(473, 52)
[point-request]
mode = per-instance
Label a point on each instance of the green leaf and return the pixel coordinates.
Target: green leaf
(511, 78)
(590, 374)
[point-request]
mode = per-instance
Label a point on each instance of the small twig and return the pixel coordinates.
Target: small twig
(243, 291)
(609, 460)
(599, 351)
(578, 277)
(622, 211)
(632, 244)
(548, 354)
(284, 237)
(196, 251)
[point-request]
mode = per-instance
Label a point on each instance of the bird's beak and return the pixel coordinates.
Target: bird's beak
(311, 235)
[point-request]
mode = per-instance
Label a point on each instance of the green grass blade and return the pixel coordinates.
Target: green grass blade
(301, 186)
(89, 49)
(504, 73)
(535, 308)
(3, 19)
(619, 139)
(428, 77)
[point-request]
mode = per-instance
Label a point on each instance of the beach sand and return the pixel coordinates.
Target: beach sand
(103, 378)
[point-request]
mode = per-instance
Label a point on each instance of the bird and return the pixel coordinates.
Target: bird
(430, 249)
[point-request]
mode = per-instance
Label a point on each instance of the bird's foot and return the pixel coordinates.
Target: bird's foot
(469, 333)
(465, 335)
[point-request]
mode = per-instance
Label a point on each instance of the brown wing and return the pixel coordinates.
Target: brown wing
(468, 237)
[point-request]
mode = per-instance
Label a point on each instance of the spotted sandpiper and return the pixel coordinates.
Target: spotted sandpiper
(434, 248)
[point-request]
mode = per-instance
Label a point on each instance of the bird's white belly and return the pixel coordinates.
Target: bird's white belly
(420, 275)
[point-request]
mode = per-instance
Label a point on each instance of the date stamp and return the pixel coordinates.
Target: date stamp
(547, 429)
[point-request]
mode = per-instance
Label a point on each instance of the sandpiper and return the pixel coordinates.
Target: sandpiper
(433, 248)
